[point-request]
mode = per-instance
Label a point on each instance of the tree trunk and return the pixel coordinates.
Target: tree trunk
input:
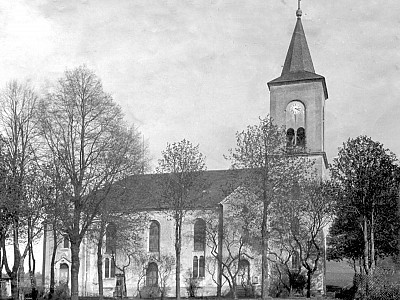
(14, 286)
(53, 262)
(17, 260)
(220, 241)
(372, 241)
(264, 254)
(234, 289)
(178, 257)
(366, 245)
(309, 275)
(75, 245)
(100, 260)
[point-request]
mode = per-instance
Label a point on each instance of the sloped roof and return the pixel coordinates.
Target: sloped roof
(144, 192)
(298, 63)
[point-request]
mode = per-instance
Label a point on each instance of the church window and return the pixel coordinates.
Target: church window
(295, 122)
(152, 274)
(195, 267)
(199, 265)
(202, 266)
(295, 260)
(154, 237)
(107, 268)
(199, 235)
(64, 273)
(301, 137)
(65, 241)
(112, 271)
(290, 137)
(111, 232)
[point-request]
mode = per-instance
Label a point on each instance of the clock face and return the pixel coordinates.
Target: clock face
(296, 108)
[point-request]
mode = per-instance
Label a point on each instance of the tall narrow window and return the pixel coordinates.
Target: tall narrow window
(152, 274)
(65, 241)
(107, 268)
(295, 260)
(111, 232)
(290, 137)
(112, 273)
(195, 267)
(154, 237)
(199, 235)
(202, 264)
(301, 137)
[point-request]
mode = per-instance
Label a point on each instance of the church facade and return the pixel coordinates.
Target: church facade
(297, 101)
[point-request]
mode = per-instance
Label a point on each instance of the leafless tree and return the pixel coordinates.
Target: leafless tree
(17, 125)
(88, 140)
(181, 165)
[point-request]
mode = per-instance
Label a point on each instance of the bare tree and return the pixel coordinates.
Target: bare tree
(86, 136)
(181, 165)
(18, 108)
(235, 248)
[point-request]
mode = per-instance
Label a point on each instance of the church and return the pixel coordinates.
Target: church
(297, 101)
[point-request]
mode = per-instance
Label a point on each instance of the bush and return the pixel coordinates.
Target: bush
(192, 284)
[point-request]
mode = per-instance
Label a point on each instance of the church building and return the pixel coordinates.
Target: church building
(297, 101)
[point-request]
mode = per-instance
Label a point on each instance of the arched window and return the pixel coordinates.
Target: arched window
(64, 273)
(295, 260)
(154, 237)
(195, 267)
(152, 274)
(301, 137)
(290, 138)
(111, 232)
(296, 124)
(199, 235)
(107, 268)
(65, 241)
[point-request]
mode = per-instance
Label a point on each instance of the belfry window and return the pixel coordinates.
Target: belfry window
(295, 124)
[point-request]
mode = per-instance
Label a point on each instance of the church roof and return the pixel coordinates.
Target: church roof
(298, 63)
(144, 192)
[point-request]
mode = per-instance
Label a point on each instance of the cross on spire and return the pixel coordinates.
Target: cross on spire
(298, 12)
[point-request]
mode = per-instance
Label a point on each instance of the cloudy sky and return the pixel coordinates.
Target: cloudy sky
(198, 69)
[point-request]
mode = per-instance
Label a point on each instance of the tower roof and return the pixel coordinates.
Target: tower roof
(298, 57)
(298, 63)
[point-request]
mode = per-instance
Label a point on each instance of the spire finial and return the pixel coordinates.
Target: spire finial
(298, 11)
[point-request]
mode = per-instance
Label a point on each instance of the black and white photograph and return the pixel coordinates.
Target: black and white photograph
(204, 149)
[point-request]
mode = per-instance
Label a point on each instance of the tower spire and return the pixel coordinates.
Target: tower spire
(298, 11)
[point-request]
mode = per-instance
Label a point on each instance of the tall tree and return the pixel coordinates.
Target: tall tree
(368, 201)
(88, 140)
(302, 219)
(17, 122)
(182, 165)
(261, 149)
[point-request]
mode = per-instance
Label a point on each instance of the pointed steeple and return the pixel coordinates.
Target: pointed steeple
(298, 57)
(298, 64)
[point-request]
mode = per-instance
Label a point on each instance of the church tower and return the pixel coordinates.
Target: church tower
(297, 100)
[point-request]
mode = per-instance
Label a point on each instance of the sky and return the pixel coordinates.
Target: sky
(197, 69)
